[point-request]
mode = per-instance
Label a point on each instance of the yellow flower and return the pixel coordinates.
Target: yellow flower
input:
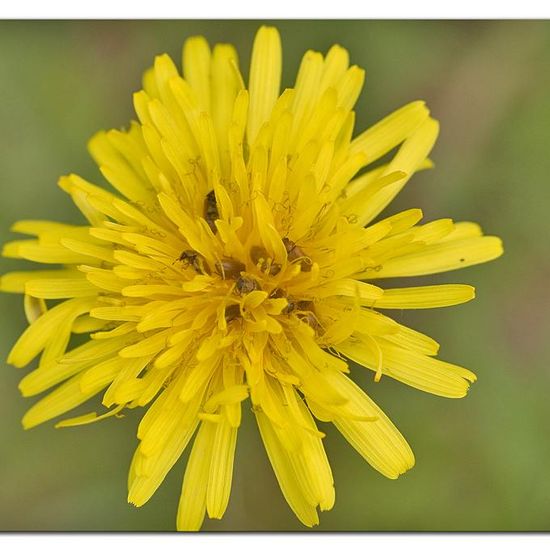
(236, 259)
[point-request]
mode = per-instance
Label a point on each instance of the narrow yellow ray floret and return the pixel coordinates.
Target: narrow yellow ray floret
(236, 259)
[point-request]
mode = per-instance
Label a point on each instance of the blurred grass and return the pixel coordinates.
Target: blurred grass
(482, 462)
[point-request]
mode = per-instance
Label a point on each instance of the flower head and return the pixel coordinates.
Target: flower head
(236, 259)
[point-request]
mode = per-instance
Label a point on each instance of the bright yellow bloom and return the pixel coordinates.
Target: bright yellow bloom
(235, 260)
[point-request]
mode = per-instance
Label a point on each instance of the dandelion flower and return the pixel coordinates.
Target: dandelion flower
(236, 260)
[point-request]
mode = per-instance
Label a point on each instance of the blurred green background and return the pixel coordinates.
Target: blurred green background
(482, 462)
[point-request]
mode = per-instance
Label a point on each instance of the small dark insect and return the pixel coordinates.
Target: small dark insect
(245, 285)
(187, 256)
(305, 305)
(280, 293)
(277, 293)
(289, 308)
(301, 306)
(294, 253)
(310, 320)
(229, 268)
(232, 312)
(260, 256)
(257, 254)
(192, 258)
(210, 212)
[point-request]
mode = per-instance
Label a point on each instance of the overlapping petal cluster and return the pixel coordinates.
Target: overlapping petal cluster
(237, 259)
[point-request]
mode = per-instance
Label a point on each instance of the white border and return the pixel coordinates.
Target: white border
(274, 9)
(321, 541)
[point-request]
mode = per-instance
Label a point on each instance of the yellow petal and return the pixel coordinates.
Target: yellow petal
(226, 84)
(350, 87)
(231, 394)
(265, 78)
(378, 442)
(351, 288)
(463, 230)
(156, 467)
(164, 416)
(221, 470)
(307, 88)
(56, 371)
(445, 255)
(36, 227)
(34, 308)
(390, 131)
(117, 171)
(406, 337)
(285, 473)
(431, 232)
(16, 280)
(422, 297)
(412, 368)
(123, 387)
(371, 179)
(408, 159)
(101, 374)
(196, 68)
(66, 397)
(192, 504)
(352, 205)
(199, 375)
(103, 253)
(55, 289)
(106, 280)
(42, 253)
(147, 346)
(85, 324)
(58, 342)
(89, 418)
(315, 462)
(37, 335)
(334, 67)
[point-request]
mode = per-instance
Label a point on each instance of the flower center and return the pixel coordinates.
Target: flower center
(256, 292)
